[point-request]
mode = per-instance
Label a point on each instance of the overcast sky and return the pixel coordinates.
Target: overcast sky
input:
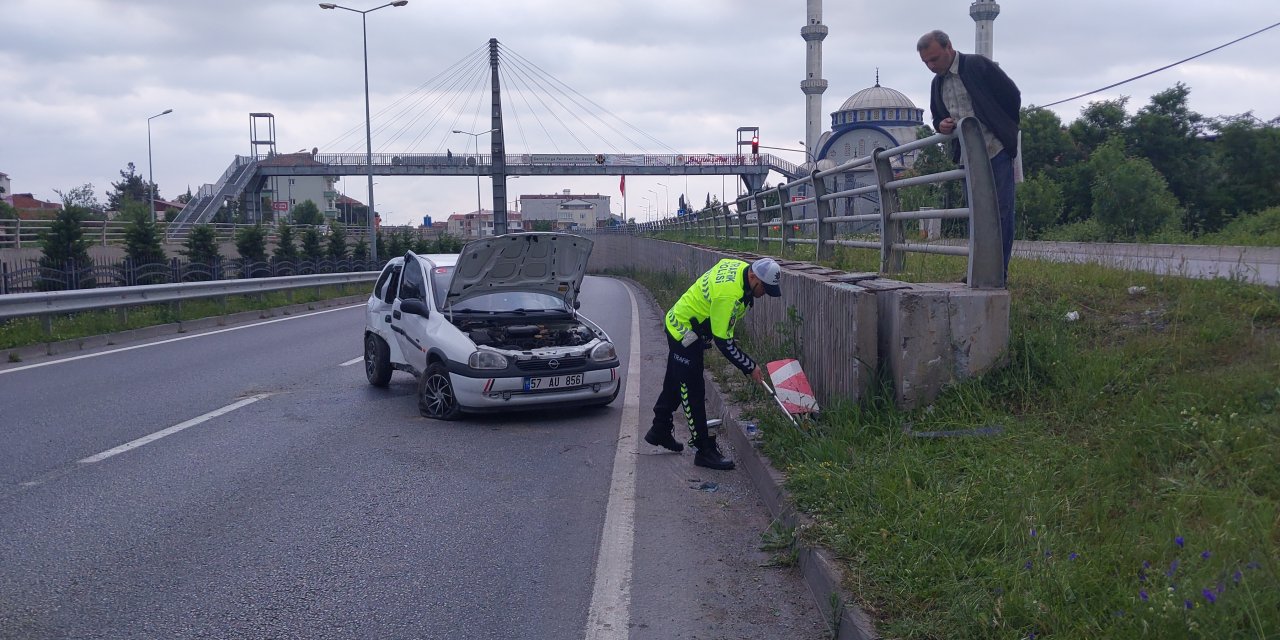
(79, 78)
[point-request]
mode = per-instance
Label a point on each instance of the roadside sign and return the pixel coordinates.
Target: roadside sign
(279, 206)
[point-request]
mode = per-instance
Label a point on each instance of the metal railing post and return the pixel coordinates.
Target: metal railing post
(784, 218)
(822, 211)
(891, 260)
(741, 232)
(758, 199)
(986, 248)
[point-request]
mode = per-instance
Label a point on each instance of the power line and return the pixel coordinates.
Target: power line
(1168, 66)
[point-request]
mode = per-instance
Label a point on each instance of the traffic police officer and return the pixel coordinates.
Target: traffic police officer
(706, 314)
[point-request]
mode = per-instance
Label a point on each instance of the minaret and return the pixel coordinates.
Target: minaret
(813, 32)
(984, 13)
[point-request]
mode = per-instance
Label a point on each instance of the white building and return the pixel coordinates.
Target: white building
(287, 192)
(567, 211)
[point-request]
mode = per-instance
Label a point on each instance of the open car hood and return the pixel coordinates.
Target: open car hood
(550, 263)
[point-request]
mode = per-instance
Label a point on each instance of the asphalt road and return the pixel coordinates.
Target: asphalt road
(248, 483)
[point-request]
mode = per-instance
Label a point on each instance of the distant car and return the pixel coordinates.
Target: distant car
(495, 327)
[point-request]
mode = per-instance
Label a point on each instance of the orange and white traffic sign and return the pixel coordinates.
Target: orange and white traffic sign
(792, 387)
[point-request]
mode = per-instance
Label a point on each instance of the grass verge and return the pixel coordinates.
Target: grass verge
(1131, 488)
(20, 332)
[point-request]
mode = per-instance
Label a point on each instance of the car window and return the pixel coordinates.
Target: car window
(440, 279)
(388, 284)
(411, 283)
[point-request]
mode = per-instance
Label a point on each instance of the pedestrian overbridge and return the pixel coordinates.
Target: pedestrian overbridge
(246, 179)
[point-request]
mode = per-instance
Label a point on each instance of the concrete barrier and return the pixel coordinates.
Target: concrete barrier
(851, 325)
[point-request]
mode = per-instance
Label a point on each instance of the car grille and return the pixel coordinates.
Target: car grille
(571, 362)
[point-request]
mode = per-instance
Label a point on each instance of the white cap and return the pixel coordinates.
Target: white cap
(769, 273)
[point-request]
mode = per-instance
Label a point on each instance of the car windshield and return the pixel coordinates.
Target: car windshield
(500, 302)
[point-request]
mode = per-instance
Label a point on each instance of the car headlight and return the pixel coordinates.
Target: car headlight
(604, 352)
(487, 360)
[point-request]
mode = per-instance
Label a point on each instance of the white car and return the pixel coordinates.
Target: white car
(495, 327)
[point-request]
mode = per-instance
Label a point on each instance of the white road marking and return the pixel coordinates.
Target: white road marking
(610, 613)
(152, 344)
(172, 430)
(352, 361)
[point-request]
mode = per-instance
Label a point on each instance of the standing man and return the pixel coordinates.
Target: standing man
(704, 315)
(968, 85)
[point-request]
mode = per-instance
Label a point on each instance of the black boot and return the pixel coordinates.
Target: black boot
(709, 455)
(661, 437)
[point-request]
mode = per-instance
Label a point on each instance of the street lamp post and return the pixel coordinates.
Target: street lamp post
(476, 137)
(151, 176)
(368, 129)
(666, 200)
(655, 197)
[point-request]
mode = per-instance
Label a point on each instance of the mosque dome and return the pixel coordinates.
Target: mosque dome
(877, 97)
(877, 106)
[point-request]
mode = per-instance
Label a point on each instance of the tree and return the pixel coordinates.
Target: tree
(1045, 143)
(201, 247)
(337, 241)
(7, 212)
(131, 187)
(251, 243)
(1130, 198)
(64, 248)
(312, 248)
(82, 196)
(186, 197)
(360, 250)
(542, 225)
(448, 244)
(1038, 205)
(307, 213)
(142, 241)
(1098, 122)
(1247, 154)
(1168, 134)
(285, 249)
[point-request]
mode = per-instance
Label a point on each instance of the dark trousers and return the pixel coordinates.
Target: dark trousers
(684, 387)
(1002, 167)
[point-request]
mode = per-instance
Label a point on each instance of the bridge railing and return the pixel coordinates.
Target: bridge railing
(750, 218)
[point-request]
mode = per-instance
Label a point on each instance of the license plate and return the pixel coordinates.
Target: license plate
(547, 383)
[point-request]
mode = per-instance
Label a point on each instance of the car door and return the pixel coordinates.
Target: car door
(411, 329)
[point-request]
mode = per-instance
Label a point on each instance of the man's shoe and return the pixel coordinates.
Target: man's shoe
(661, 437)
(709, 456)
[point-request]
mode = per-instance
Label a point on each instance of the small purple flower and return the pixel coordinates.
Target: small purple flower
(1048, 553)
(1204, 555)
(1142, 576)
(1187, 603)
(1237, 576)
(1033, 532)
(1027, 566)
(1173, 568)
(1253, 564)
(1142, 595)
(1221, 588)
(1146, 564)
(1208, 596)
(1073, 556)
(1179, 541)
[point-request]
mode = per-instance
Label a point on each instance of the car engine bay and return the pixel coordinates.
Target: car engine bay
(520, 337)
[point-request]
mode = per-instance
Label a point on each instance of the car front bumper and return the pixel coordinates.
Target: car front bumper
(494, 394)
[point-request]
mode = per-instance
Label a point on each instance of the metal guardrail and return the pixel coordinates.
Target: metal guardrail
(984, 249)
(17, 234)
(18, 305)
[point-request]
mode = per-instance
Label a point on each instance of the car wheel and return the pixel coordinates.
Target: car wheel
(377, 360)
(435, 394)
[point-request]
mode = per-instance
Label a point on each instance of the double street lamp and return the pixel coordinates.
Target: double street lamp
(368, 129)
(666, 200)
(151, 176)
(476, 136)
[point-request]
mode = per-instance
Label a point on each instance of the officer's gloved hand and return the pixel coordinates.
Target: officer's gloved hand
(707, 343)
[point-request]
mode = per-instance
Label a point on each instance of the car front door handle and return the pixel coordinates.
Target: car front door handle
(395, 314)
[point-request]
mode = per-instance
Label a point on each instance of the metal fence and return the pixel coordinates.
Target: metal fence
(750, 218)
(34, 276)
(17, 234)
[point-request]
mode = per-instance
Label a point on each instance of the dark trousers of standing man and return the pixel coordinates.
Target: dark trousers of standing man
(1002, 167)
(683, 386)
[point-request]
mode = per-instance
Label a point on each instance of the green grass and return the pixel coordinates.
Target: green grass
(21, 332)
(1152, 420)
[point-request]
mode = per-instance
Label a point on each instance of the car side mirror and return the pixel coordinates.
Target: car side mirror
(415, 306)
